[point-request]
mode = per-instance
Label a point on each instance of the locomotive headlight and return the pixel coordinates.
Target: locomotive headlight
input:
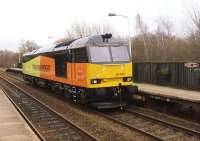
(127, 79)
(95, 81)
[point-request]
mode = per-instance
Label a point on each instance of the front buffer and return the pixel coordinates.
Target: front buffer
(110, 97)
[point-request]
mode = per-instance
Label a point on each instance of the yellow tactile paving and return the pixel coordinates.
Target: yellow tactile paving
(12, 125)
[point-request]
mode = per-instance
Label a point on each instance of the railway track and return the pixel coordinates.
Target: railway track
(187, 126)
(151, 125)
(46, 123)
(155, 128)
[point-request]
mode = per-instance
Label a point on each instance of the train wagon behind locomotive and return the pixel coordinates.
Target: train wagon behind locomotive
(95, 69)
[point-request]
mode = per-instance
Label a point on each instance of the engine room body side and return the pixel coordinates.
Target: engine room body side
(44, 67)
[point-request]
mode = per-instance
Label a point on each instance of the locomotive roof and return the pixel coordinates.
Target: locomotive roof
(95, 40)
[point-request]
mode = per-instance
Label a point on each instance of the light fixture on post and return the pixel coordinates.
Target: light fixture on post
(129, 33)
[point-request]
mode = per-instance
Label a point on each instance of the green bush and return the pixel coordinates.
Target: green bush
(164, 71)
(198, 74)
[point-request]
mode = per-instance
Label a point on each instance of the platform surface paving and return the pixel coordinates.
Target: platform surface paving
(188, 95)
(12, 126)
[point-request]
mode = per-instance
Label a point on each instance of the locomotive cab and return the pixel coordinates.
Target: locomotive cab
(108, 71)
(110, 75)
(110, 65)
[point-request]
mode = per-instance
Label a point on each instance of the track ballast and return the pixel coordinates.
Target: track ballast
(46, 123)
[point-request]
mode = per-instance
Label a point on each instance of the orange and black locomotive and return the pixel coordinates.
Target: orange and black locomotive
(95, 69)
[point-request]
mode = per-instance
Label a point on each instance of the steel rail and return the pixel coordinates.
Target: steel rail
(141, 130)
(165, 122)
(46, 107)
(157, 138)
(40, 136)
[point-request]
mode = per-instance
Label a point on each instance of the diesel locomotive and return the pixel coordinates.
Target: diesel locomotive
(95, 69)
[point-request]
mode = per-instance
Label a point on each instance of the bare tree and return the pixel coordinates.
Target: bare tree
(194, 32)
(194, 15)
(163, 31)
(142, 29)
(27, 46)
(164, 36)
(159, 45)
(8, 58)
(83, 29)
(165, 26)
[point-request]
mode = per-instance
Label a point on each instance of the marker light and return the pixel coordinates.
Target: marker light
(127, 79)
(95, 81)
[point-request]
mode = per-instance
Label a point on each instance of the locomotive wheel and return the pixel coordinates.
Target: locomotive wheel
(83, 98)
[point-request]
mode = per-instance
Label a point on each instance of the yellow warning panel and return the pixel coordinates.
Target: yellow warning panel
(109, 74)
(32, 67)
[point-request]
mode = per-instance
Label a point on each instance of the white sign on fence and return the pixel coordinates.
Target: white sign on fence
(192, 65)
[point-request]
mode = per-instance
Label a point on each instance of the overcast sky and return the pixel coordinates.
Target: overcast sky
(38, 19)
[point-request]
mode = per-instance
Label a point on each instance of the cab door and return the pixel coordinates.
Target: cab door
(79, 66)
(60, 65)
(73, 67)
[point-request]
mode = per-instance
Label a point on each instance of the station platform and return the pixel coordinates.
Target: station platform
(12, 126)
(169, 92)
(14, 70)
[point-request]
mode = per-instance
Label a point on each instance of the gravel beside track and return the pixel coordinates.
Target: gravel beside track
(47, 123)
(183, 124)
(157, 128)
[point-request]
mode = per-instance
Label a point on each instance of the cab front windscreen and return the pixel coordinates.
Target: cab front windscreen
(109, 54)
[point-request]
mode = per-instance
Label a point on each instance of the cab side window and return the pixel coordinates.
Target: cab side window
(80, 55)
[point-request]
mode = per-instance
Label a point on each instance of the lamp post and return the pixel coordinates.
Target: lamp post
(50, 37)
(129, 32)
